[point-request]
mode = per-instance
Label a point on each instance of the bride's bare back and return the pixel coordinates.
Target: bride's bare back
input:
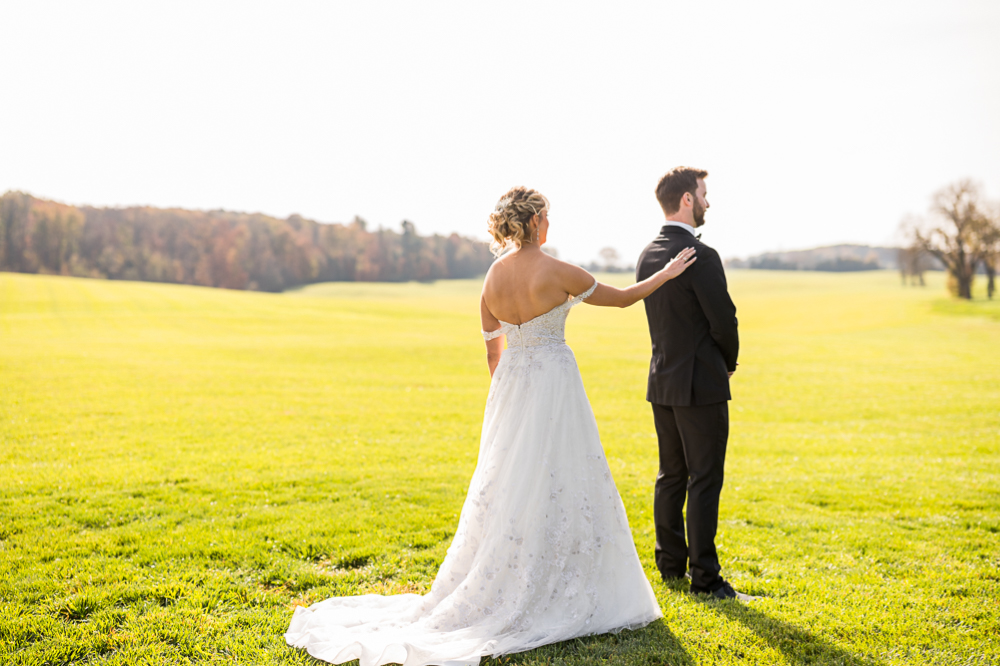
(523, 284)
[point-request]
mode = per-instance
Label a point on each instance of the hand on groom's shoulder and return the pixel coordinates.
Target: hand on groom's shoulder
(658, 254)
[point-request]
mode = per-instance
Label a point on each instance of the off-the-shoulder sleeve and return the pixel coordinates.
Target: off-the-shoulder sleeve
(492, 335)
(585, 295)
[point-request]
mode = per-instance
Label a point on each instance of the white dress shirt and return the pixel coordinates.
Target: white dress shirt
(688, 227)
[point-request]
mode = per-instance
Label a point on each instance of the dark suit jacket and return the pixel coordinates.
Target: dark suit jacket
(692, 324)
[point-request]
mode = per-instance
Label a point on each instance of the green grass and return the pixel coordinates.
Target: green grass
(978, 306)
(180, 466)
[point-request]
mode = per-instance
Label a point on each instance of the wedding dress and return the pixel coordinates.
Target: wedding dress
(543, 551)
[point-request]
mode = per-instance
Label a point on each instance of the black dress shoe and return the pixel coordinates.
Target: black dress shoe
(725, 591)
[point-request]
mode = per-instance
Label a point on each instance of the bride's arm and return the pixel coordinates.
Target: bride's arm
(579, 281)
(494, 347)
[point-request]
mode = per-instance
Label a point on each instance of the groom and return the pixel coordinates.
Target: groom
(692, 324)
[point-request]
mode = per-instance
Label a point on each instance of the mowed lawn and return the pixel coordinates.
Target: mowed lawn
(181, 466)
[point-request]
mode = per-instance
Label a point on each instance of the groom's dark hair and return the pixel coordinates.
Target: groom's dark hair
(674, 184)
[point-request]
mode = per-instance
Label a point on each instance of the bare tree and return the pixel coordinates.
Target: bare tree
(610, 257)
(912, 264)
(989, 246)
(952, 235)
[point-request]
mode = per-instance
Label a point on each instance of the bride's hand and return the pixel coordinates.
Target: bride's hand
(607, 295)
(679, 263)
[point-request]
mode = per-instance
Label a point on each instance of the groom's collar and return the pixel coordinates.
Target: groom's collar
(686, 227)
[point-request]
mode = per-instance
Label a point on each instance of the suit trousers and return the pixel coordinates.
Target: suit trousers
(692, 460)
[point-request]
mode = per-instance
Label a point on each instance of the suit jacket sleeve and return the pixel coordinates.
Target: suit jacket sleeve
(713, 295)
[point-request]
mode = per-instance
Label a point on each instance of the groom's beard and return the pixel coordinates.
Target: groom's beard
(699, 214)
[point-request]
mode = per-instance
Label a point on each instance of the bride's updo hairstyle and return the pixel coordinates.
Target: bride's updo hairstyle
(510, 222)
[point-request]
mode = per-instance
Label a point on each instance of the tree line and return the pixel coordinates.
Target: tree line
(221, 248)
(961, 231)
(835, 265)
(842, 258)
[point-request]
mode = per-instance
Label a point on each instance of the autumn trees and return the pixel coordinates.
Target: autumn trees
(220, 248)
(962, 232)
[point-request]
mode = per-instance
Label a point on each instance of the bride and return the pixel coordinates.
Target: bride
(543, 551)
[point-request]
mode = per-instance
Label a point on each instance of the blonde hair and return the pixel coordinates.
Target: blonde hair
(510, 222)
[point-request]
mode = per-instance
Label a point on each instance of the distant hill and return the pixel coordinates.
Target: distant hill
(219, 248)
(833, 258)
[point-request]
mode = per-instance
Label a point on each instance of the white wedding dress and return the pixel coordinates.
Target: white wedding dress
(543, 551)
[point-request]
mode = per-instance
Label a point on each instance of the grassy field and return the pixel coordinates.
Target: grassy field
(180, 466)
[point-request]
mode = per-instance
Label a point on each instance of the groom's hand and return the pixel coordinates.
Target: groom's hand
(733, 372)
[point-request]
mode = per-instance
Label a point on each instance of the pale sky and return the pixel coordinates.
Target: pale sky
(819, 122)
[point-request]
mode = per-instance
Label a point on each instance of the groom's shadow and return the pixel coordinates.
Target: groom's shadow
(797, 645)
(653, 644)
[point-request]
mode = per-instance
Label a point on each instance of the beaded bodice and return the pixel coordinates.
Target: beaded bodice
(545, 329)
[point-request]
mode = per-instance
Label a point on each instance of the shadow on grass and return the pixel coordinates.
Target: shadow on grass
(652, 645)
(796, 644)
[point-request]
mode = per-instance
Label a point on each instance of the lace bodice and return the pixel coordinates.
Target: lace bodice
(545, 329)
